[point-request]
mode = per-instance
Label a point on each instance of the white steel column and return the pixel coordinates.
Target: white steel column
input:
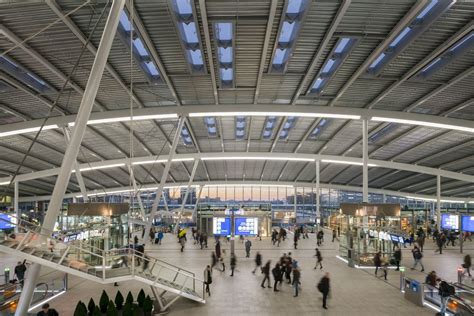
(318, 193)
(365, 159)
(16, 196)
(72, 150)
(137, 192)
(79, 178)
(164, 176)
(438, 202)
(183, 202)
(198, 197)
(294, 206)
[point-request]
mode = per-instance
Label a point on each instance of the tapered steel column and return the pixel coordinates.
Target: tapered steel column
(365, 160)
(16, 196)
(72, 150)
(318, 211)
(188, 187)
(438, 202)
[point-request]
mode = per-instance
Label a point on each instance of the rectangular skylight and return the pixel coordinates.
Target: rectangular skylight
(377, 60)
(226, 74)
(341, 46)
(224, 39)
(152, 68)
(186, 136)
(184, 7)
(240, 124)
(125, 22)
(24, 75)
(400, 37)
(323, 123)
(268, 127)
(289, 124)
(190, 32)
(196, 57)
(290, 25)
(427, 9)
(328, 65)
(225, 55)
(211, 125)
(140, 47)
(224, 31)
(465, 40)
(317, 83)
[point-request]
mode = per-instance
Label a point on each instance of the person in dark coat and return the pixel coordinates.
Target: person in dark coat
(258, 261)
(218, 249)
(397, 255)
(46, 311)
(296, 280)
(20, 270)
(248, 245)
(276, 276)
(233, 263)
(266, 273)
(324, 288)
(377, 262)
(320, 259)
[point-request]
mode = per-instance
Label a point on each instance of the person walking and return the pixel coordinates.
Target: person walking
(296, 281)
(377, 262)
(213, 260)
(276, 276)
(417, 256)
(289, 267)
(160, 237)
(319, 258)
(324, 288)
(445, 291)
(47, 311)
(295, 240)
(467, 265)
(233, 263)
(208, 278)
(440, 240)
(385, 267)
(432, 281)
(19, 271)
(397, 256)
(333, 235)
(266, 273)
(218, 248)
(182, 241)
(222, 260)
(258, 262)
(248, 245)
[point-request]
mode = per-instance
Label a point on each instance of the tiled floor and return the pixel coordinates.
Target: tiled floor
(353, 291)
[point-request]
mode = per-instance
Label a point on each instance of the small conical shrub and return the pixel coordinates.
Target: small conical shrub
(96, 311)
(127, 309)
(141, 298)
(104, 302)
(111, 309)
(147, 305)
(91, 306)
(119, 300)
(81, 309)
(129, 298)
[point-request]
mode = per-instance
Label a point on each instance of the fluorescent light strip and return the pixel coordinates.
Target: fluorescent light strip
(249, 185)
(28, 130)
(5, 183)
(258, 158)
(421, 123)
(103, 167)
(146, 162)
(432, 200)
(130, 118)
(298, 114)
(32, 308)
(344, 162)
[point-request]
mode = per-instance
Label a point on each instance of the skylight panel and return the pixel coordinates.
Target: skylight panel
(184, 7)
(400, 37)
(290, 25)
(210, 120)
(24, 75)
(382, 132)
(196, 57)
(267, 134)
(224, 39)
(427, 9)
(290, 122)
(140, 47)
(328, 65)
(320, 127)
(186, 137)
(125, 22)
(469, 39)
(190, 32)
(318, 83)
(341, 46)
(240, 125)
(268, 127)
(152, 68)
(433, 10)
(211, 125)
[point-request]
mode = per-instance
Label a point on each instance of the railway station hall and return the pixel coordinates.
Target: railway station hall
(236, 157)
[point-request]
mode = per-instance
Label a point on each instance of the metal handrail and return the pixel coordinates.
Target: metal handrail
(107, 254)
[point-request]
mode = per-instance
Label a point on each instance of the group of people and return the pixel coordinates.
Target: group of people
(200, 238)
(278, 236)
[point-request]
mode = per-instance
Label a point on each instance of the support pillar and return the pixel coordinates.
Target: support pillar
(188, 187)
(137, 192)
(16, 196)
(164, 176)
(318, 193)
(72, 150)
(78, 173)
(365, 159)
(438, 202)
(295, 200)
(198, 197)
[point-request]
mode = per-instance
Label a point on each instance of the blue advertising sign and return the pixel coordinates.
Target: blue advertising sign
(467, 223)
(221, 226)
(5, 221)
(449, 221)
(246, 226)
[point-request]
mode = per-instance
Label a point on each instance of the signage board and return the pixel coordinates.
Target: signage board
(221, 226)
(449, 221)
(467, 223)
(246, 226)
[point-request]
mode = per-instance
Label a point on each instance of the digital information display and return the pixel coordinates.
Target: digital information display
(449, 221)
(221, 226)
(246, 226)
(467, 223)
(8, 218)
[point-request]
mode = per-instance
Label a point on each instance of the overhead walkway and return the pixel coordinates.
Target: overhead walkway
(116, 265)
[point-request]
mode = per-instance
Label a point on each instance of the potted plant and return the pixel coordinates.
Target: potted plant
(104, 302)
(141, 298)
(147, 306)
(119, 300)
(111, 309)
(91, 306)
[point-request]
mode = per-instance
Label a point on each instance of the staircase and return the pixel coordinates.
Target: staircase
(116, 265)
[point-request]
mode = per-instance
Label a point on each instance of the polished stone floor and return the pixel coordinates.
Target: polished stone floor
(353, 291)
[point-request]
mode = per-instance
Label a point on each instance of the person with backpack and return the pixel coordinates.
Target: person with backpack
(397, 256)
(258, 262)
(320, 259)
(377, 262)
(248, 245)
(417, 256)
(445, 291)
(276, 277)
(324, 287)
(208, 278)
(266, 273)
